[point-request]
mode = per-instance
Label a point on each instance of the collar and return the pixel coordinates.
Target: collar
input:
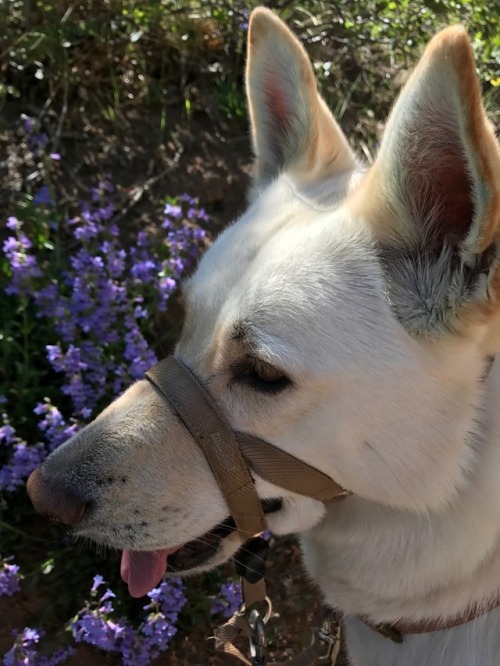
(396, 631)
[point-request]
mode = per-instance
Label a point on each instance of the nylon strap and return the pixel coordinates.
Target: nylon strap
(397, 630)
(286, 471)
(253, 592)
(196, 409)
(201, 415)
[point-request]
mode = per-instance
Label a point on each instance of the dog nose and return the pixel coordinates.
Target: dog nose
(54, 500)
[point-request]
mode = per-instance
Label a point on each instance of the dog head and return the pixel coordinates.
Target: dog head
(345, 318)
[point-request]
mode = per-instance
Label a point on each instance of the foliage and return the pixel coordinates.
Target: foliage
(75, 290)
(115, 56)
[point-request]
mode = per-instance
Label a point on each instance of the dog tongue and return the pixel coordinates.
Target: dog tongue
(143, 570)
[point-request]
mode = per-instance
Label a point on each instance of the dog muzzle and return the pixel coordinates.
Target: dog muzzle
(231, 455)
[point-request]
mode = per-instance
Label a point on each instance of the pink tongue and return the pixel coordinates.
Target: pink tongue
(143, 570)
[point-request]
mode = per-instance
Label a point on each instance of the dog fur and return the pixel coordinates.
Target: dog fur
(372, 295)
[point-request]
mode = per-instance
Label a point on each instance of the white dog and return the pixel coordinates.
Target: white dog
(350, 318)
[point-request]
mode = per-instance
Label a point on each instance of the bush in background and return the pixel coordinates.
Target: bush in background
(80, 306)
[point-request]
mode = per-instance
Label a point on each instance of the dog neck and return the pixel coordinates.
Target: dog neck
(387, 564)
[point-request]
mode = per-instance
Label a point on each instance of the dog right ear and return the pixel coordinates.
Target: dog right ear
(292, 128)
(432, 197)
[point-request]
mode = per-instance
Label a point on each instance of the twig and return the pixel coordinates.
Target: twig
(138, 192)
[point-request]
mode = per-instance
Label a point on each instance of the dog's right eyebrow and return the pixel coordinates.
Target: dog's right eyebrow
(253, 343)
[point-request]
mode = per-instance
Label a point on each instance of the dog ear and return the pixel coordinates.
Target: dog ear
(434, 189)
(438, 168)
(292, 128)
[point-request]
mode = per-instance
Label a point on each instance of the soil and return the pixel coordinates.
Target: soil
(211, 159)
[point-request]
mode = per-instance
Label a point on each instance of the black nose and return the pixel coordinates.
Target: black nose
(54, 500)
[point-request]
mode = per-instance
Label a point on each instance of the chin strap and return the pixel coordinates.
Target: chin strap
(230, 457)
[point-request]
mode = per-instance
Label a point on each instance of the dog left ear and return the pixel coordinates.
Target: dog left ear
(434, 189)
(292, 128)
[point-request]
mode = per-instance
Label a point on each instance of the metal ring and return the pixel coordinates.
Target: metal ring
(269, 612)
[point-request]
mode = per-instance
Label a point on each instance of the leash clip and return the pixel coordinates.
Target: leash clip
(257, 638)
(328, 635)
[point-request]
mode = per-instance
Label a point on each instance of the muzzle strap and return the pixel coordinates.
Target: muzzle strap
(286, 471)
(196, 409)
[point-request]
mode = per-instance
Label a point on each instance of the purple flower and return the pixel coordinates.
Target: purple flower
(9, 578)
(28, 124)
(54, 426)
(173, 211)
(23, 266)
(93, 627)
(169, 596)
(98, 581)
(42, 197)
(7, 432)
(144, 271)
(13, 223)
(96, 625)
(191, 201)
(137, 350)
(104, 188)
(108, 595)
(228, 600)
(24, 652)
(22, 458)
(38, 142)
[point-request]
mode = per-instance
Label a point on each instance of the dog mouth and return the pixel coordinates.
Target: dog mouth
(143, 570)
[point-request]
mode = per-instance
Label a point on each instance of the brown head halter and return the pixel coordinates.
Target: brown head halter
(230, 455)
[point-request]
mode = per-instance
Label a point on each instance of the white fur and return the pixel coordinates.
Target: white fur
(403, 420)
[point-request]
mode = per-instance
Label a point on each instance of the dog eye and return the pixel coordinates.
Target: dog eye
(261, 376)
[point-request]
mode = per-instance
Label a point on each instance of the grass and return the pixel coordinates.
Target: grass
(110, 57)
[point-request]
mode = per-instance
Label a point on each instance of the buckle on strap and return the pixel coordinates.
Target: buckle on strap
(388, 631)
(326, 638)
